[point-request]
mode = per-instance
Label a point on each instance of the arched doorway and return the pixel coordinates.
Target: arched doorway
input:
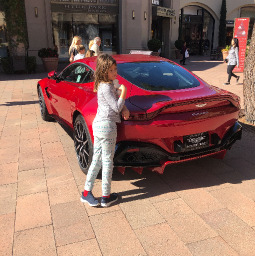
(197, 29)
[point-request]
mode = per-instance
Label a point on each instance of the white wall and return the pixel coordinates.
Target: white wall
(135, 32)
(38, 28)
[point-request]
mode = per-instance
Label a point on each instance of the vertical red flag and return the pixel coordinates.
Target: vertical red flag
(241, 32)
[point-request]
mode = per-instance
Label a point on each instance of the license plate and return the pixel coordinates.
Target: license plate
(196, 141)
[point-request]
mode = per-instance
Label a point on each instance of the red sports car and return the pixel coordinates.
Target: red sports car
(175, 116)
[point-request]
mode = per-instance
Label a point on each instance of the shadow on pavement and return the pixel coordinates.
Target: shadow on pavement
(18, 77)
(19, 103)
(23, 76)
(200, 63)
(208, 173)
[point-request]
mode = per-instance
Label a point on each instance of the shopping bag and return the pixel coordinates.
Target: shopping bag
(186, 54)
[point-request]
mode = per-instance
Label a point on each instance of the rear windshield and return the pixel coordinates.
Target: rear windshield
(157, 76)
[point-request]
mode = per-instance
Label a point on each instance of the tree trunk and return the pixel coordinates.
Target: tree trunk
(249, 82)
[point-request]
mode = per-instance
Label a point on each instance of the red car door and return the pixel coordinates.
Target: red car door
(62, 91)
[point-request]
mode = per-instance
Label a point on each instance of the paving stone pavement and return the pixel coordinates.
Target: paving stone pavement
(203, 208)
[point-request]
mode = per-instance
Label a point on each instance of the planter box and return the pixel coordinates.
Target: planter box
(50, 64)
(224, 54)
(178, 54)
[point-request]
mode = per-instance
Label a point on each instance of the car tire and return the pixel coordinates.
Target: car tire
(43, 109)
(82, 143)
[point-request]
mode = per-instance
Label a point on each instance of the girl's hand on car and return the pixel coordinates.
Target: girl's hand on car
(125, 113)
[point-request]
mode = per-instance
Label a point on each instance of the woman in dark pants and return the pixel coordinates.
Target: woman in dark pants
(184, 48)
(232, 60)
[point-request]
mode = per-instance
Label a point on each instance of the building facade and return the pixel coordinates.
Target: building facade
(126, 25)
(199, 22)
(123, 25)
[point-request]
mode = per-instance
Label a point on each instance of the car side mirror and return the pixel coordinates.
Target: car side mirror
(52, 75)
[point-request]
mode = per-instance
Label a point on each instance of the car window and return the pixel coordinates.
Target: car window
(157, 76)
(77, 73)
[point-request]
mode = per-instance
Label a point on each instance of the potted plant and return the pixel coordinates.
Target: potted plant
(49, 58)
(178, 45)
(154, 45)
(225, 52)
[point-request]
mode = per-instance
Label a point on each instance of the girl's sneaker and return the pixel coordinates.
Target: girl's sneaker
(89, 199)
(105, 201)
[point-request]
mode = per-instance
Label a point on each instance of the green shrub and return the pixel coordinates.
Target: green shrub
(7, 66)
(179, 44)
(47, 52)
(31, 64)
(154, 44)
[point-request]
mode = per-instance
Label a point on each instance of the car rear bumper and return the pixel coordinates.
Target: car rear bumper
(140, 154)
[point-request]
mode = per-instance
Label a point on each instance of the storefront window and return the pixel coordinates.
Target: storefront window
(3, 39)
(89, 26)
(197, 26)
(87, 19)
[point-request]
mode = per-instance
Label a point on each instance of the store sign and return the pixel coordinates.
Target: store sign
(230, 22)
(155, 2)
(86, 1)
(241, 32)
(96, 9)
(165, 12)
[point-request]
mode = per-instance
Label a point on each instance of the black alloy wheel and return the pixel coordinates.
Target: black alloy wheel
(43, 109)
(82, 143)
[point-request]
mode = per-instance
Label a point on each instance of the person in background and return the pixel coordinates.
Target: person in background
(81, 52)
(105, 130)
(232, 60)
(184, 48)
(73, 47)
(91, 42)
(95, 46)
(89, 53)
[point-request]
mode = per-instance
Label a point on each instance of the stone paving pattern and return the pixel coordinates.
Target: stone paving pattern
(203, 208)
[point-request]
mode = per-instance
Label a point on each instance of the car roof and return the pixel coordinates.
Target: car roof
(124, 58)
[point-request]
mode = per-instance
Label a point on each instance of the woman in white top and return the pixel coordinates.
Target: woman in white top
(95, 46)
(232, 60)
(73, 47)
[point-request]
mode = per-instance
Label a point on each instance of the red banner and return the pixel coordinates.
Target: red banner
(241, 32)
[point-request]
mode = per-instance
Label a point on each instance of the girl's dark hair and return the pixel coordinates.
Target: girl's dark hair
(104, 62)
(236, 42)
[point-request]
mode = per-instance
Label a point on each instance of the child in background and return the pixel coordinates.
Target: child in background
(89, 53)
(81, 52)
(105, 130)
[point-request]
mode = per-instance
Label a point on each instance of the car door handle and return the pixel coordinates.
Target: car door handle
(47, 93)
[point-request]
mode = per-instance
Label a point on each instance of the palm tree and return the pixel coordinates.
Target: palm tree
(249, 82)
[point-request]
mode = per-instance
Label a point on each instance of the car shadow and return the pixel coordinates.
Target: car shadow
(19, 103)
(205, 173)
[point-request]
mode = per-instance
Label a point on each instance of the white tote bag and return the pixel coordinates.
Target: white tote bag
(186, 54)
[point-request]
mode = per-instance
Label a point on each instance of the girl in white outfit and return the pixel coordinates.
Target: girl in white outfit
(110, 104)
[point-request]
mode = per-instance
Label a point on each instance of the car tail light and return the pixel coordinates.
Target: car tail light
(137, 116)
(144, 116)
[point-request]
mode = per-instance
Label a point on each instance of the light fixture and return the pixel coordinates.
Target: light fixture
(36, 12)
(133, 14)
(145, 15)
